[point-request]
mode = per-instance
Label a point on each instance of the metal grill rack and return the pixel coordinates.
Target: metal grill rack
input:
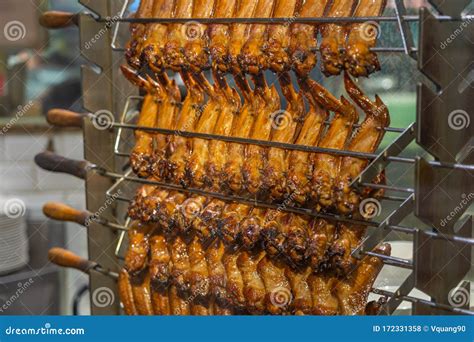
(441, 255)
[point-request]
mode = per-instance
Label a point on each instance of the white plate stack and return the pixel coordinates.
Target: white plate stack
(13, 236)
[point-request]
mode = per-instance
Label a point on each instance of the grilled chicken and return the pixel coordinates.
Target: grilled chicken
(303, 43)
(359, 60)
(137, 32)
(154, 44)
(285, 129)
(179, 148)
(173, 56)
(239, 34)
(219, 34)
(232, 176)
(196, 47)
(299, 167)
(255, 155)
(252, 58)
(367, 139)
(278, 42)
(334, 37)
(326, 166)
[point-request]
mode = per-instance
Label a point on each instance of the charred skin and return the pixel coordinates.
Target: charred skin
(136, 258)
(230, 220)
(251, 228)
(303, 38)
(276, 49)
(137, 31)
(152, 48)
(360, 61)
(252, 58)
(219, 33)
(334, 37)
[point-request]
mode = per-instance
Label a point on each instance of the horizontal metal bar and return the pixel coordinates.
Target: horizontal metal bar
(106, 272)
(388, 187)
(422, 301)
(240, 199)
(283, 20)
(265, 143)
(392, 261)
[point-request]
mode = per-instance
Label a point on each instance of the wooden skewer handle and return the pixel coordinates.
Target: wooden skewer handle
(65, 258)
(62, 212)
(65, 118)
(53, 162)
(58, 19)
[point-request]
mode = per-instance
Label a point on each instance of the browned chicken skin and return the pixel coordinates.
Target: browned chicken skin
(334, 37)
(359, 60)
(303, 43)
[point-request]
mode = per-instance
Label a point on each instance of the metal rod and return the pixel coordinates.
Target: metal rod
(264, 143)
(392, 261)
(422, 301)
(329, 20)
(106, 272)
(388, 187)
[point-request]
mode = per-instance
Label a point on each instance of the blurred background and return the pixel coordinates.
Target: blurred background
(40, 70)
